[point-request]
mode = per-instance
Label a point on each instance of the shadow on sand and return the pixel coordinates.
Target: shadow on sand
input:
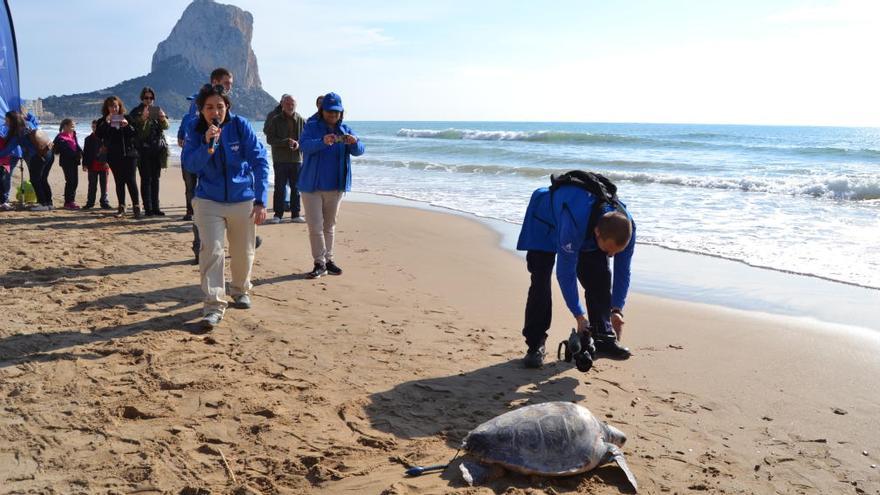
(40, 346)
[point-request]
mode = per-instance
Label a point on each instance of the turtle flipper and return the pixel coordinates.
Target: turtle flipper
(615, 454)
(473, 473)
(477, 474)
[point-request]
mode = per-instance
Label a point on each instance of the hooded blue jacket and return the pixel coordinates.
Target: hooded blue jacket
(321, 162)
(237, 171)
(557, 222)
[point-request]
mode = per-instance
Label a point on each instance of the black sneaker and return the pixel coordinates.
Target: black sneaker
(319, 271)
(534, 357)
(610, 347)
(187, 218)
(332, 269)
(106, 206)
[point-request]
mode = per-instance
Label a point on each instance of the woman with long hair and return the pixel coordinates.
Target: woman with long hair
(39, 156)
(327, 145)
(150, 122)
(222, 149)
(117, 133)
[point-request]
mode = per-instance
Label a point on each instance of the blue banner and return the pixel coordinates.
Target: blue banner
(10, 95)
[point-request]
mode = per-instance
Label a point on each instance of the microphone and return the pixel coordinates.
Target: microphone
(212, 144)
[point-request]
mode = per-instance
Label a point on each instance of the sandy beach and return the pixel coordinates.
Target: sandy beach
(336, 385)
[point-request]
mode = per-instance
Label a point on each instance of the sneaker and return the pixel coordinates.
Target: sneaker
(41, 208)
(88, 206)
(241, 302)
(71, 206)
(610, 347)
(148, 213)
(297, 219)
(332, 269)
(159, 213)
(120, 212)
(137, 211)
(534, 357)
(5, 207)
(106, 206)
(211, 320)
(273, 220)
(187, 218)
(258, 242)
(319, 271)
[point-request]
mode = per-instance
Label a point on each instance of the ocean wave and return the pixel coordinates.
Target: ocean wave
(695, 140)
(531, 136)
(850, 188)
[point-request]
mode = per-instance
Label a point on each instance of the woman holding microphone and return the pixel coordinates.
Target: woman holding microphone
(327, 145)
(222, 149)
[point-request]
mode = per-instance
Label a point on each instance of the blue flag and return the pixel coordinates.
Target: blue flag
(10, 95)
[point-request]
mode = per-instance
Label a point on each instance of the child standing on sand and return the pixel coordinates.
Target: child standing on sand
(95, 163)
(69, 153)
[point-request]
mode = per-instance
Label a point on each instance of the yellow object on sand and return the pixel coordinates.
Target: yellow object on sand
(26, 193)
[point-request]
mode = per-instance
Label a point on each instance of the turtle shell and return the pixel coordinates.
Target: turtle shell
(550, 439)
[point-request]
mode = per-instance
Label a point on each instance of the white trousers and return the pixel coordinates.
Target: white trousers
(215, 221)
(321, 210)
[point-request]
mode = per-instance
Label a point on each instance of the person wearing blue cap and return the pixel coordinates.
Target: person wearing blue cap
(327, 146)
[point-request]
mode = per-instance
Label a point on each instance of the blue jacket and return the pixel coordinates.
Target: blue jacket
(323, 161)
(557, 222)
(237, 171)
(19, 146)
(192, 113)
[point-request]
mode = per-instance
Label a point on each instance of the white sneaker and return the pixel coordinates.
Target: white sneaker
(297, 220)
(5, 207)
(273, 220)
(40, 208)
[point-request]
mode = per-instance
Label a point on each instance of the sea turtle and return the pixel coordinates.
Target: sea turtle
(550, 439)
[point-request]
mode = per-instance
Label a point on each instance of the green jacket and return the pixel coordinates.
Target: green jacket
(278, 131)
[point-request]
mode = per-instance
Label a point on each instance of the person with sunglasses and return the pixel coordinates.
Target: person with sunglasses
(150, 123)
(223, 151)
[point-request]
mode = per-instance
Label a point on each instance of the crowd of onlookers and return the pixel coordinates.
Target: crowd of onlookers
(225, 169)
(121, 142)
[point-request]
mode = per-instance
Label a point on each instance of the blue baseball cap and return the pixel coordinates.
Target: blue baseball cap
(332, 102)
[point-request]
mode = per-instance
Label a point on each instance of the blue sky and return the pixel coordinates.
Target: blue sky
(745, 61)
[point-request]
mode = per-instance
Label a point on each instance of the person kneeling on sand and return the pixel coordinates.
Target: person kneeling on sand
(222, 149)
(580, 229)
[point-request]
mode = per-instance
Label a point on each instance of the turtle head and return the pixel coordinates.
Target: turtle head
(614, 436)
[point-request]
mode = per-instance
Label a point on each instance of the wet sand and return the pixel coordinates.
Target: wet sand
(337, 385)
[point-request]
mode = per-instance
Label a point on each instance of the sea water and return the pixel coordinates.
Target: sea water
(802, 200)
(795, 199)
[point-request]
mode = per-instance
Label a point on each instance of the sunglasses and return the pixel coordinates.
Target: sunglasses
(219, 88)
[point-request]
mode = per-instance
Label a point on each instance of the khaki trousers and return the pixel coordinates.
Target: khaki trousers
(321, 210)
(215, 221)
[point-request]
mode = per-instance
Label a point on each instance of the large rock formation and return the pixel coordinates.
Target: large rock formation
(208, 35)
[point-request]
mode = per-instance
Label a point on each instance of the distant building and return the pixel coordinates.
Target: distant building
(36, 108)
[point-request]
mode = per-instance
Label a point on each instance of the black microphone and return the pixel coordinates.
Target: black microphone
(212, 144)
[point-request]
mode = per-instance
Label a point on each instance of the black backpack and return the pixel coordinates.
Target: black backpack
(598, 185)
